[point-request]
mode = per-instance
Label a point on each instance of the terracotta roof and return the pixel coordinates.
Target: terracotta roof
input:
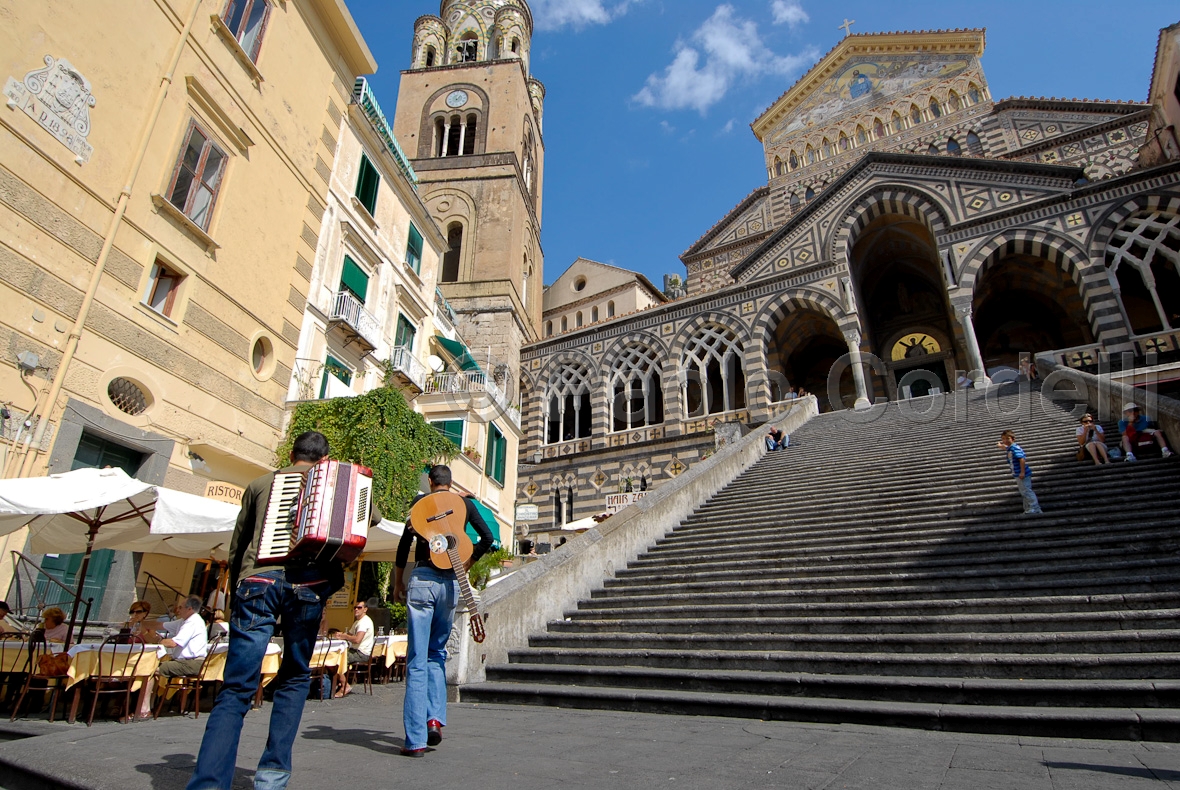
(742, 205)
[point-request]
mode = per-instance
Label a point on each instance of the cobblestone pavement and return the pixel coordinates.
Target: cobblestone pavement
(353, 742)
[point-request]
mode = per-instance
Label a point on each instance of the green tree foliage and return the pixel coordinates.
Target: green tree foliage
(378, 430)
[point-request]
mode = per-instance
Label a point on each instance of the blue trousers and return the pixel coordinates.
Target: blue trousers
(431, 596)
(263, 604)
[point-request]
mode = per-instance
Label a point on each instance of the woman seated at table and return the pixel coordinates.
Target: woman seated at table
(54, 623)
(136, 623)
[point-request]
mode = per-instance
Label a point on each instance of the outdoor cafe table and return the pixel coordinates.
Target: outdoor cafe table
(215, 669)
(330, 654)
(390, 648)
(84, 663)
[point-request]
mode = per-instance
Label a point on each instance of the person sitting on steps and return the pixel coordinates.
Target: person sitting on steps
(1138, 433)
(1092, 441)
(776, 439)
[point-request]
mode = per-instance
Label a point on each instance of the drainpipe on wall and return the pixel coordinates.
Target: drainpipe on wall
(46, 409)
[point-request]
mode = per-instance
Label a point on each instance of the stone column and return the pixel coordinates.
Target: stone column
(974, 356)
(852, 337)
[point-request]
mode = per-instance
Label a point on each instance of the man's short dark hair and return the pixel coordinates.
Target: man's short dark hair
(4, 607)
(310, 446)
(440, 475)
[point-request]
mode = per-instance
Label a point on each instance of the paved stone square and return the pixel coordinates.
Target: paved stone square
(353, 743)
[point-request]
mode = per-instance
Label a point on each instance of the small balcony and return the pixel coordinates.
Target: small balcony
(350, 317)
(406, 371)
(472, 383)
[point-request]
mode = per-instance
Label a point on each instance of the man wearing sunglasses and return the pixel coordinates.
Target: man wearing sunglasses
(360, 639)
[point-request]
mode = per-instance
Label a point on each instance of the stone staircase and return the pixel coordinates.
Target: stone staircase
(882, 572)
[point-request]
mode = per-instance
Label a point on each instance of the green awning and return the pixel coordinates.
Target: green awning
(490, 519)
(460, 352)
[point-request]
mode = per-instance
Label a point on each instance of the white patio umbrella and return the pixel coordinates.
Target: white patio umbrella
(66, 512)
(382, 543)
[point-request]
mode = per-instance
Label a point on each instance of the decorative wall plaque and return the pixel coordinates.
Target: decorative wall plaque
(59, 99)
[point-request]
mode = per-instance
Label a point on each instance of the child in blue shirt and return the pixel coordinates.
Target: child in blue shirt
(1134, 427)
(1021, 471)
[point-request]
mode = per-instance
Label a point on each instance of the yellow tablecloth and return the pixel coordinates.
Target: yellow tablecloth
(127, 661)
(390, 648)
(13, 656)
(330, 654)
(215, 669)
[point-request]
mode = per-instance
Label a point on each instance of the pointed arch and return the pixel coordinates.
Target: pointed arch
(862, 136)
(935, 108)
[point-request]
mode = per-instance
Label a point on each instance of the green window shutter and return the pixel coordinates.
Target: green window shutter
(414, 250)
(496, 454)
(405, 333)
(367, 182)
(452, 429)
(354, 279)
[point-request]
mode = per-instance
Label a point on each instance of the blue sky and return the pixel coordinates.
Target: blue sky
(649, 102)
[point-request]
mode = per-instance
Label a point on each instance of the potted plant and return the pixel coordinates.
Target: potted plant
(473, 454)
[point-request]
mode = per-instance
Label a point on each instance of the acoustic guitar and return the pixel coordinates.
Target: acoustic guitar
(440, 519)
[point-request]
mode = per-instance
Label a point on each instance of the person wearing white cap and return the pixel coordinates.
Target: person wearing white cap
(1136, 431)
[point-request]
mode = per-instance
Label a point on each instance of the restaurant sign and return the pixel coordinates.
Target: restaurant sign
(225, 492)
(616, 502)
(527, 513)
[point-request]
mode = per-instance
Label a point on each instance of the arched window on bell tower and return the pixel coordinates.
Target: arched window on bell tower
(454, 253)
(467, 50)
(431, 56)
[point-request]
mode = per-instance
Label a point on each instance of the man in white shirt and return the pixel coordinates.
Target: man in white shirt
(360, 637)
(189, 643)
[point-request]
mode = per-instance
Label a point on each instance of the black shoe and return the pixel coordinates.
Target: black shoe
(434, 732)
(412, 752)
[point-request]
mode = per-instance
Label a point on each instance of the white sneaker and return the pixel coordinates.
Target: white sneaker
(1130, 457)
(1167, 453)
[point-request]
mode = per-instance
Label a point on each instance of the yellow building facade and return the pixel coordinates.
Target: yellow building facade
(164, 171)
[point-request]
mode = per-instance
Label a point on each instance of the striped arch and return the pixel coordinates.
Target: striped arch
(1104, 229)
(621, 343)
(890, 199)
(763, 328)
(553, 374)
(690, 327)
(530, 412)
(1102, 311)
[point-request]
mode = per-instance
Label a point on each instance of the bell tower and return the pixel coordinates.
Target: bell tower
(469, 113)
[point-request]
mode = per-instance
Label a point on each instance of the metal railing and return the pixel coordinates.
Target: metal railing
(471, 383)
(35, 589)
(443, 310)
(352, 311)
(403, 361)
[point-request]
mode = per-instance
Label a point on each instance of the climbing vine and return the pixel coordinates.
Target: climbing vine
(378, 430)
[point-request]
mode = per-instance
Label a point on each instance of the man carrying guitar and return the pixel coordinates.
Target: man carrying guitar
(430, 599)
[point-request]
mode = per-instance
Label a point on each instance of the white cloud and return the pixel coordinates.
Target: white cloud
(723, 50)
(789, 12)
(554, 14)
(728, 127)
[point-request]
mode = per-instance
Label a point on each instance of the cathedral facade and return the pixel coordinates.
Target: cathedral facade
(913, 234)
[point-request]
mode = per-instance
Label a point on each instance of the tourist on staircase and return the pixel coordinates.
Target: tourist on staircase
(776, 439)
(1139, 434)
(1021, 471)
(1092, 441)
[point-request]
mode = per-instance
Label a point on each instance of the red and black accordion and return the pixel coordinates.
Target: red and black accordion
(320, 514)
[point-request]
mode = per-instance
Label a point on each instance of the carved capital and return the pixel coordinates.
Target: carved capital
(852, 337)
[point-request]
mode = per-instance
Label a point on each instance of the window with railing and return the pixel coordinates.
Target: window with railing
(354, 279)
(404, 336)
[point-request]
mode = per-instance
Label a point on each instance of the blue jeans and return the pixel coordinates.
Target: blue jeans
(263, 604)
(431, 596)
(1031, 505)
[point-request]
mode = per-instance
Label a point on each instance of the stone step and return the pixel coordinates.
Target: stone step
(1145, 641)
(1148, 724)
(972, 664)
(1113, 620)
(625, 609)
(953, 691)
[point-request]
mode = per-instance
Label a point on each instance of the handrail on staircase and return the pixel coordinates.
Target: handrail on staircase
(39, 600)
